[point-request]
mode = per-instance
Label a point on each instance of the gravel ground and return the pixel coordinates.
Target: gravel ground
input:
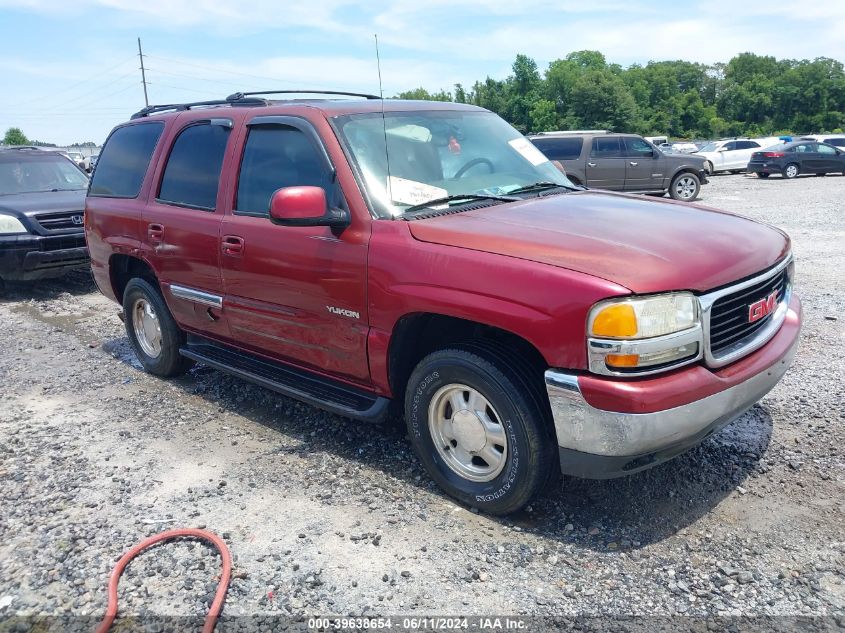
(328, 516)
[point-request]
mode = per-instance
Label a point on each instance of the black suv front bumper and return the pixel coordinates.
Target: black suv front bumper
(29, 257)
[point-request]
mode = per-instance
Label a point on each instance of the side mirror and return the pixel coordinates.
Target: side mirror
(304, 206)
(722, 149)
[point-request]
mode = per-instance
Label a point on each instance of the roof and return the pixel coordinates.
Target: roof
(330, 106)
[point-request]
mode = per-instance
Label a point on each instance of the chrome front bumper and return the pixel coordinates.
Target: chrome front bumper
(599, 444)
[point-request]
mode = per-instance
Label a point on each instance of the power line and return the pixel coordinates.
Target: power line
(231, 72)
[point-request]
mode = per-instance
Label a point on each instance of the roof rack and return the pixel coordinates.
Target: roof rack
(563, 132)
(240, 98)
(240, 95)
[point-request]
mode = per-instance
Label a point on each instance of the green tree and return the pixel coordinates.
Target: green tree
(421, 94)
(14, 136)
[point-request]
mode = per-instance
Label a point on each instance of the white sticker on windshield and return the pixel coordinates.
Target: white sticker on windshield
(412, 192)
(527, 150)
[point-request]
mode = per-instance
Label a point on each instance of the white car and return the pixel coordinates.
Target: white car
(728, 155)
(837, 140)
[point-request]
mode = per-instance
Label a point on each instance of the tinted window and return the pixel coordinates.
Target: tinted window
(192, 173)
(24, 172)
(838, 142)
(560, 148)
(607, 147)
(637, 147)
(746, 144)
(124, 160)
(277, 156)
(730, 146)
(804, 148)
(825, 149)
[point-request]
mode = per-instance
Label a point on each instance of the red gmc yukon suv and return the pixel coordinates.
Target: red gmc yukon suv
(354, 253)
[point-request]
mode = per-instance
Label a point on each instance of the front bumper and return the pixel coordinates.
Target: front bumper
(599, 443)
(29, 257)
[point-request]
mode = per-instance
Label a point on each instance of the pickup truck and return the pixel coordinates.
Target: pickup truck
(377, 257)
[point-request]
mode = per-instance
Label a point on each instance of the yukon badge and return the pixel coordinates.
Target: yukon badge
(344, 312)
(762, 308)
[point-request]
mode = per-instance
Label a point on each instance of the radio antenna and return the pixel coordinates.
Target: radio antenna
(383, 123)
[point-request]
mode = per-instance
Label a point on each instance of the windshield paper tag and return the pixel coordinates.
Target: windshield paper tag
(527, 150)
(412, 192)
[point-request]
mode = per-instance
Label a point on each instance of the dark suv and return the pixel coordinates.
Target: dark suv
(622, 162)
(42, 201)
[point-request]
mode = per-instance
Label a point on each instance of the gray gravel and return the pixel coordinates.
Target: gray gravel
(327, 516)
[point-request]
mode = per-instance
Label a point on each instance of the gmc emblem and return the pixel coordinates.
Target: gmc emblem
(762, 308)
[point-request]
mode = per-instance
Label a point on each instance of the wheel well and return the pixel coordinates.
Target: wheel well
(415, 336)
(123, 268)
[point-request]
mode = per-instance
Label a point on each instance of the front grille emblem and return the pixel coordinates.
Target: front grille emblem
(762, 308)
(77, 219)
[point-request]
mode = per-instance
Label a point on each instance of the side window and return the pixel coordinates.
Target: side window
(124, 160)
(825, 149)
(192, 173)
(730, 146)
(637, 148)
(746, 145)
(805, 148)
(606, 147)
(277, 156)
(560, 148)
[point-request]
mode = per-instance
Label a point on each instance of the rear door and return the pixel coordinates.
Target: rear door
(829, 158)
(808, 159)
(181, 223)
(644, 165)
(294, 293)
(563, 151)
(606, 163)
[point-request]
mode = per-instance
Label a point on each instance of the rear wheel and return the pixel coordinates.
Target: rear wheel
(791, 171)
(478, 429)
(154, 335)
(685, 186)
(708, 167)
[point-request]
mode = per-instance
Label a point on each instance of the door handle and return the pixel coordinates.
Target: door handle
(591, 164)
(634, 164)
(155, 232)
(233, 245)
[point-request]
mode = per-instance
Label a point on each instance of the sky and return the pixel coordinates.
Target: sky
(70, 68)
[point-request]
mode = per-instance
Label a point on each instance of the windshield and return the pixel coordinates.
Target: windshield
(27, 174)
(710, 147)
(434, 154)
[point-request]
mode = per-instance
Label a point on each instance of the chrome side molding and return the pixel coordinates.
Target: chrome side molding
(197, 296)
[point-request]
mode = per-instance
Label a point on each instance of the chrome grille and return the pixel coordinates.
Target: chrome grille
(60, 220)
(730, 333)
(729, 317)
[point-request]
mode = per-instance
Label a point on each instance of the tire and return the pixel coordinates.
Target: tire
(685, 186)
(736, 171)
(822, 174)
(154, 335)
(760, 174)
(521, 442)
(708, 168)
(791, 171)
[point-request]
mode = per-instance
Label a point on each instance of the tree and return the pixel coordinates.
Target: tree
(14, 136)
(421, 94)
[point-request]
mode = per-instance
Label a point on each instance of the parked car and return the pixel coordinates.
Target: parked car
(363, 255)
(77, 158)
(92, 162)
(799, 157)
(622, 162)
(728, 155)
(42, 197)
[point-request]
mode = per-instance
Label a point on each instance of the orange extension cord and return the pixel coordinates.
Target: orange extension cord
(219, 597)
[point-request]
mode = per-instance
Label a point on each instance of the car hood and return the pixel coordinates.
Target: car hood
(30, 204)
(645, 245)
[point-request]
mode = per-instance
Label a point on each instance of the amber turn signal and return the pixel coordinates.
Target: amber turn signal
(622, 360)
(615, 321)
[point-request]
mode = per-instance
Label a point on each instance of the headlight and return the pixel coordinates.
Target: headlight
(641, 335)
(10, 225)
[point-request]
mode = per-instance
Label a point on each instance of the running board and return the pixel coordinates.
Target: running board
(313, 389)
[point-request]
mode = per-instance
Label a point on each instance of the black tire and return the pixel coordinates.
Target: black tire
(686, 193)
(790, 173)
(168, 362)
(530, 458)
(708, 168)
(760, 174)
(822, 174)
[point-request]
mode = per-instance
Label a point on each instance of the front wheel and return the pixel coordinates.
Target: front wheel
(685, 186)
(708, 167)
(791, 171)
(479, 429)
(154, 335)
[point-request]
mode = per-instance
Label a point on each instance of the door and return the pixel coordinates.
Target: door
(809, 161)
(181, 225)
(294, 293)
(606, 164)
(644, 165)
(724, 156)
(829, 158)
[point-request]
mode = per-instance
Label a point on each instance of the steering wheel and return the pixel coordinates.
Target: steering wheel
(473, 163)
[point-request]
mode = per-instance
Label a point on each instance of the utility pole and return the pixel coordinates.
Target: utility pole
(143, 73)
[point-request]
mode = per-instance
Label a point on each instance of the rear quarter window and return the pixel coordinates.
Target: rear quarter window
(124, 160)
(560, 148)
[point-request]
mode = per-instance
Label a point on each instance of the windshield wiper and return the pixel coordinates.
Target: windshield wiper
(466, 197)
(542, 186)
